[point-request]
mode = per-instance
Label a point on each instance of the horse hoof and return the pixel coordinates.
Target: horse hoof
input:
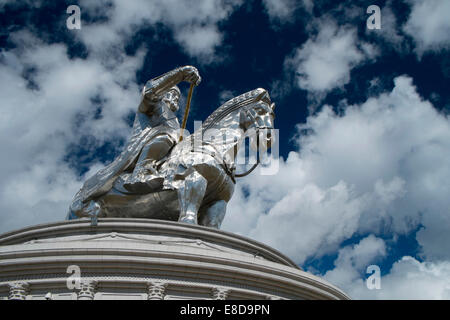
(190, 220)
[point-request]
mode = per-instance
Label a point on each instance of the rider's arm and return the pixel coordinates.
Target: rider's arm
(156, 87)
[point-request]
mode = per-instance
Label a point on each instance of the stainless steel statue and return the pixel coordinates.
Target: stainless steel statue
(190, 181)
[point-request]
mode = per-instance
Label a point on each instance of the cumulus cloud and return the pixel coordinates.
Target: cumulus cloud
(194, 27)
(379, 168)
(407, 279)
(199, 41)
(354, 260)
(324, 62)
(429, 25)
(226, 95)
(411, 279)
(282, 10)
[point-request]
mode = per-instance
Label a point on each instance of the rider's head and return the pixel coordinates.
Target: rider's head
(171, 98)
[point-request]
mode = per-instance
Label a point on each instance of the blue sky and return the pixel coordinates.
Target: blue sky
(364, 133)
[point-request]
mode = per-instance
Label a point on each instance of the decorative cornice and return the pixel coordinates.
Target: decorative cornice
(145, 226)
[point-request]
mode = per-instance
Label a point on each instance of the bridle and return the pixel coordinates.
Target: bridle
(241, 175)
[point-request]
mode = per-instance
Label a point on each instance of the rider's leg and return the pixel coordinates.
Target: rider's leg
(190, 196)
(154, 151)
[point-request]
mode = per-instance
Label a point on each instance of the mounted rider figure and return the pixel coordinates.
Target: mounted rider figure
(155, 131)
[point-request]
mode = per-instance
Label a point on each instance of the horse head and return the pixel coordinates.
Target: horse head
(257, 121)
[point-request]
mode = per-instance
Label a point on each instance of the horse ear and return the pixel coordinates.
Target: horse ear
(272, 106)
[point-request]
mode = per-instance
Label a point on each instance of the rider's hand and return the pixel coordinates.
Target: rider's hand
(191, 75)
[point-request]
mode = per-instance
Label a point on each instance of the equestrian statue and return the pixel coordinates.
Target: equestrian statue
(163, 173)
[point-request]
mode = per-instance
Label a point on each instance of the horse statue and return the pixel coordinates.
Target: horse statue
(196, 180)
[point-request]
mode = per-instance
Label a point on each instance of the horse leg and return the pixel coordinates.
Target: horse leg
(190, 196)
(214, 214)
(93, 209)
(79, 209)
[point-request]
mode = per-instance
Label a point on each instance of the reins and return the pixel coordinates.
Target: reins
(241, 175)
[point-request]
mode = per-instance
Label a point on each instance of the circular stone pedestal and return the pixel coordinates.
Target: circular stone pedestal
(147, 259)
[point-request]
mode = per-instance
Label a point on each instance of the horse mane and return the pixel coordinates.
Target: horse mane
(228, 107)
(234, 104)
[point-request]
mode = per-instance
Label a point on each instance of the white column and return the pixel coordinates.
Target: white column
(156, 289)
(220, 293)
(18, 290)
(87, 290)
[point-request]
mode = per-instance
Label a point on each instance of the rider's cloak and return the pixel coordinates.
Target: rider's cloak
(161, 120)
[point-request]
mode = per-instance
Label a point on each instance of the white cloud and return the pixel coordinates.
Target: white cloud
(200, 41)
(380, 167)
(324, 62)
(411, 279)
(282, 10)
(302, 213)
(352, 260)
(429, 25)
(194, 27)
(407, 279)
(226, 95)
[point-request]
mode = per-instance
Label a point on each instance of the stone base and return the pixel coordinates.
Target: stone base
(147, 259)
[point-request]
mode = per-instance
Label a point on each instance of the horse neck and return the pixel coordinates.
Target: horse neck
(230, 129)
